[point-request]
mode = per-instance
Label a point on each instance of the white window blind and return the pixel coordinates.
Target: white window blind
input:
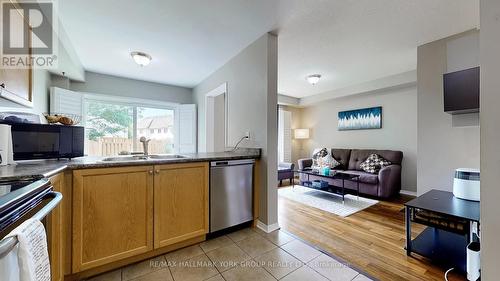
(187, 128)
(284, 136)
(65, 101)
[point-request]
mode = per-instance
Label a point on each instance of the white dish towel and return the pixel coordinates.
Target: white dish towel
(32, 263)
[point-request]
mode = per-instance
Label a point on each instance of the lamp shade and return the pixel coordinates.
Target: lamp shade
(301, 134)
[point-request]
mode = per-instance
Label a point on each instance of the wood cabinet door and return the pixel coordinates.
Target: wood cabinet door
(181, 202)
(55, 232)
(17, 83)
(112, 215)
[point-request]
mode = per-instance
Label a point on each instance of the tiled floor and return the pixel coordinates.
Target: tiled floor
(248, 254)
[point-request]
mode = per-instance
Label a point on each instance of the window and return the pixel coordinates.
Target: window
(112, 127)
(156, 120)
(108, 128)
(284, 136)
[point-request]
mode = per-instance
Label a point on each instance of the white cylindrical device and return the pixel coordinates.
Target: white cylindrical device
(473, 261)
(466, 184)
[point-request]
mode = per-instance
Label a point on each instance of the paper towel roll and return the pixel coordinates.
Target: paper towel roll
(6, 151)
(473, 261)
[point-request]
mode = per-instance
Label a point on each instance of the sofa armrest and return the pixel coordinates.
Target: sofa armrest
(305, 163)
(389, 179)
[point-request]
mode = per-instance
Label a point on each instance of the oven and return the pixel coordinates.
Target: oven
(21, 200)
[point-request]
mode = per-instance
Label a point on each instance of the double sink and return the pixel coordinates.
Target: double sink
(130, 158)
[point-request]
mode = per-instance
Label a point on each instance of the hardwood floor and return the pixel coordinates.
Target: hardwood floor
(371, 240)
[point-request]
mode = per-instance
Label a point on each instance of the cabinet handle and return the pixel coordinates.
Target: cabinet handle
(150, 172)
(157, 171)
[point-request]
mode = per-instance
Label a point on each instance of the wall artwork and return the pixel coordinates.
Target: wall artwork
(360, 119)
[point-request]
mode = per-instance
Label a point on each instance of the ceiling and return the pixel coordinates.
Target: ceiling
(346, 41)
(188, 39)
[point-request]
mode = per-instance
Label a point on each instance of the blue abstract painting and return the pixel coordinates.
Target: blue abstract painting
(359, 119)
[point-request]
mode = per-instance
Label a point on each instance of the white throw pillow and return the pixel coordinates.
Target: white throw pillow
(320, 161)
(329, 161)
(317, 156)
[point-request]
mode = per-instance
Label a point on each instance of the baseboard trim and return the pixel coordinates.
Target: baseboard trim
(407, 192)
(267, 228)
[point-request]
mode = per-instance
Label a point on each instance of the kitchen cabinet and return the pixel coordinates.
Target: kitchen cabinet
(180, 202)
(112, 215)
(121, 213)
(16, 83)
(55, 232)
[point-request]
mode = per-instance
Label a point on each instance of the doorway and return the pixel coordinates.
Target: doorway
(216, 119)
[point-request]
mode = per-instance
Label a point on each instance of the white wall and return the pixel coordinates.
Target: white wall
(490, 139)
(219, 122)
(251, 78)
(68, 60)
(215, 123)
(113, 85)
(399, 127)
(445, 142)
(41, 84)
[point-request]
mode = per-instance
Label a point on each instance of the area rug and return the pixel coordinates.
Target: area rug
(326, 201)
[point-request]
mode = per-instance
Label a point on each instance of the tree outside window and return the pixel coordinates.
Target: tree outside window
(110, 128)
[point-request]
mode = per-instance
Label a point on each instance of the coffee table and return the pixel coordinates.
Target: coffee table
(338, 190)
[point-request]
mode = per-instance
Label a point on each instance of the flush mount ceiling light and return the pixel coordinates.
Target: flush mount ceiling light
(313, 79)
(141, 58)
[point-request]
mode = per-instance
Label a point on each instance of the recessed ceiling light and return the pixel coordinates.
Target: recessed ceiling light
(313, 79)
(141, 58)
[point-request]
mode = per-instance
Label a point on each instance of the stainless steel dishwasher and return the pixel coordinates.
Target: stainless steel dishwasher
(231, 193)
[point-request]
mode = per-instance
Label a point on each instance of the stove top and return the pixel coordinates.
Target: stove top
(9, 186)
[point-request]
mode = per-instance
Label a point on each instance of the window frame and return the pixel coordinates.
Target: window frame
(134, 103)
(283, 150)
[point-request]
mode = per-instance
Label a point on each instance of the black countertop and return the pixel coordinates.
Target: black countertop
(445, 202)
(48, 168)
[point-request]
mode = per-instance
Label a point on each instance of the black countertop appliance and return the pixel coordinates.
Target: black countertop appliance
(44, 141)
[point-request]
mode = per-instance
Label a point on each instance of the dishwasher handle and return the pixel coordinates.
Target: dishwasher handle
(225, 163)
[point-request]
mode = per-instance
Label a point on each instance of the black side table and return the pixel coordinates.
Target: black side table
(449, 227)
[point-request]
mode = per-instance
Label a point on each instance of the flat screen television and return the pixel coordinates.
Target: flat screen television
(461, 91)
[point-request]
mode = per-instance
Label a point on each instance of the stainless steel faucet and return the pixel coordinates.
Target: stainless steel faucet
(145, 144)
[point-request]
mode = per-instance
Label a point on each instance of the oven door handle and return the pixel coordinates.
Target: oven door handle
(56, 198)
(6, 245)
